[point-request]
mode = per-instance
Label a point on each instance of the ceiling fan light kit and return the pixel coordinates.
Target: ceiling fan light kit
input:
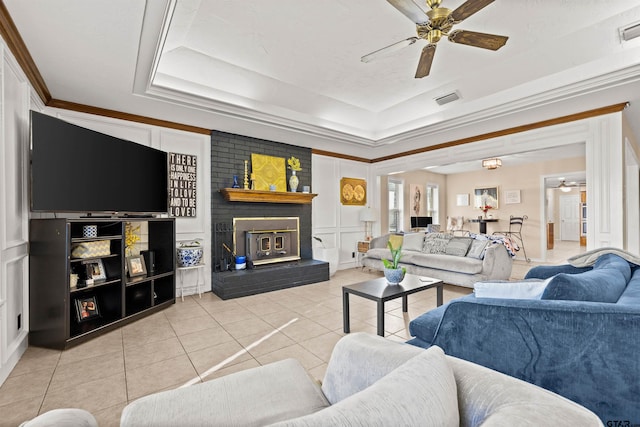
(435, 24)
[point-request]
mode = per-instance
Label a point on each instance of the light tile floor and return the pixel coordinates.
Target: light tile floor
(201, 339)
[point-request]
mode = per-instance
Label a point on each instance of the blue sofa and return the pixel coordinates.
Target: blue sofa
(580, 340)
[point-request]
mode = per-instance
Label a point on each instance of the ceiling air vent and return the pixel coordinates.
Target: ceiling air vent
(630, 32)
(445, 99)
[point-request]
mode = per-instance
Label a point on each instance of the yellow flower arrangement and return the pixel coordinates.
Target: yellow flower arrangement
(294, 164)
(131, 237)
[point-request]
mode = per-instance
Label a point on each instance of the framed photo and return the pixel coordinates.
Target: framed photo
(268, 171)
(486, 197)
(86, 308)
(353, 191)
(417, 199)
(95, 269)
(511, 196)
(136, 266)
(462, 200)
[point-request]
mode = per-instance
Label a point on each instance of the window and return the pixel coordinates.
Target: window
(432, 198)
(395, 205)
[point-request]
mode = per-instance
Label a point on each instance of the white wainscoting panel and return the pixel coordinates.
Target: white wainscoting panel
(14, 211)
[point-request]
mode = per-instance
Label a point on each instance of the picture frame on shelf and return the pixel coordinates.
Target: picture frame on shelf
(136, 266)
(95, 269)
(86, 308)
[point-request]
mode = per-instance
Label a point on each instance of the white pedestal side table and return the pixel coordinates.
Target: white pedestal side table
(199, 269)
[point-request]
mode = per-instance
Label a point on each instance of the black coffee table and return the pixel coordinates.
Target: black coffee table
(380, 291)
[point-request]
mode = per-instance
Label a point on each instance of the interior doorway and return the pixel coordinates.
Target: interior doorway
(570, 217)
(561, 214)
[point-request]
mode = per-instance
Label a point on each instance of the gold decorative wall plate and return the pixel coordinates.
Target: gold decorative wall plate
(353, 191)
(269, 170)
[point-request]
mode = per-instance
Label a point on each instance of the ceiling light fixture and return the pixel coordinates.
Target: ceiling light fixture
(491, 164)
(564, 187)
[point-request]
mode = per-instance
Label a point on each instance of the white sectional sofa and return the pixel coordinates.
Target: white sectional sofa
(369, 381)
(456, 260)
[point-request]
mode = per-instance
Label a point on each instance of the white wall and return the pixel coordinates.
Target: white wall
(15, 100)
(338, 225)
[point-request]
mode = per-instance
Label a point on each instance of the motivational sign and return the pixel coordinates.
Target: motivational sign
(182, 184)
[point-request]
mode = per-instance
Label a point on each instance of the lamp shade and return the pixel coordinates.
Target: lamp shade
(368, 215)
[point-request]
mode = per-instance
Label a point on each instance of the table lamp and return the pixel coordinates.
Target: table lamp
(368, 216)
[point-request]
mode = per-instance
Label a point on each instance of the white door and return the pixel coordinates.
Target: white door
(570, 217)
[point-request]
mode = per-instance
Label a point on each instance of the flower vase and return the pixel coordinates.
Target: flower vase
(293, 182)
(394, 275)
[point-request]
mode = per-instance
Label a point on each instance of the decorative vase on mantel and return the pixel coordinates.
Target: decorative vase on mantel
(293, 182)
(394, 275)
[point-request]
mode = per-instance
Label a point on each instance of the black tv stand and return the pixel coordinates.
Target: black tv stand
(136, 216)
(90, 215)
(55, 317)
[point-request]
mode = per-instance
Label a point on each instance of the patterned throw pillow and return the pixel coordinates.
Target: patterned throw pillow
(436, 243)
(476, 249)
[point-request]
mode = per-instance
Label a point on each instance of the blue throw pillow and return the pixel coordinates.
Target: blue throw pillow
(605, 283)
(546, 271)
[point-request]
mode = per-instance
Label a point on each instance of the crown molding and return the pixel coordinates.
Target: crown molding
(82, 108)
(16, 45)
(509, 131)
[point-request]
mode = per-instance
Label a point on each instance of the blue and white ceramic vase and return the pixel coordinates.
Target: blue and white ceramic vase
(394, 275)
(189, 254)
(293, 182)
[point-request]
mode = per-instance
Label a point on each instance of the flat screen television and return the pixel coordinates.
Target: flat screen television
(420, 221)
(74, 169)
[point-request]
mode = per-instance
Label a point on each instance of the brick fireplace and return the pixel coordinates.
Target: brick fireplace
(228, 153)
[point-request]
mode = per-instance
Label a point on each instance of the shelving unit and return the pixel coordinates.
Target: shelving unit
(120, 299)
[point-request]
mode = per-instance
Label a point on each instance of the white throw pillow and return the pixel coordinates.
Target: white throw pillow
(413, 242)
(421, 392)
(525, 289)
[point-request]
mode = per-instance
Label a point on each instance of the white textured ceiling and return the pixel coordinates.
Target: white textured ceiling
(290, 70)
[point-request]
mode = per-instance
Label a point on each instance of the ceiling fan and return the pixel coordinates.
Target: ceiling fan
(435, 24)
(564, 187)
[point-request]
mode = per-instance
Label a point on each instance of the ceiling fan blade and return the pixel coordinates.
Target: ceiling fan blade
(411, 10)
(426, 59)
(389, 49)
(472, 38)
(467, 9)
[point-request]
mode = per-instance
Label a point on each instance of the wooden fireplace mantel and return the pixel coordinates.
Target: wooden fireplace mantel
(258, 196)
